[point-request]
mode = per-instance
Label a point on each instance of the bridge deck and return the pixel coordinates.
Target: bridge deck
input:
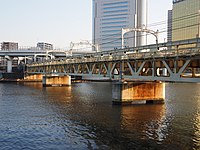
(174, 61)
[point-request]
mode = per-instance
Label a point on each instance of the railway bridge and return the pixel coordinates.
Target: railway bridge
(141, 71)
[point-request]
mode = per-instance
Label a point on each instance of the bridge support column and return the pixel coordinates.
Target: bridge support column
(9, 66)
(34, 78)
(56, 80)
(138, 93)
(194, 72)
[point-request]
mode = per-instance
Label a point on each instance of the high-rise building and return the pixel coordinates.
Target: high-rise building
(110, 16)
(9, 46)
(45, 46)
(185, 19)
(169, 29)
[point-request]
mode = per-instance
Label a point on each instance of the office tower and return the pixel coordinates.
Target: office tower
(169, 28)
(185, 19)
(110, 16)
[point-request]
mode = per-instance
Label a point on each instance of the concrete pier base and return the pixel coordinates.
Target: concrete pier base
(34, 78)
(138, 93)
(56, 81)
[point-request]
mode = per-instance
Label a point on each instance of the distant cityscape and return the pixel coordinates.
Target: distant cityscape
(111, 16)
(14, 46)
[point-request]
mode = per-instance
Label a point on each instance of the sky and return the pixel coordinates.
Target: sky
(59, 21)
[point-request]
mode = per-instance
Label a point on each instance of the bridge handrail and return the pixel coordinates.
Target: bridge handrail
(143, 55)
(150, 51)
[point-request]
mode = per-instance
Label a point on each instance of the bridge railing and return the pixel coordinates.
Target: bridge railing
(171, 49)
(141, 55)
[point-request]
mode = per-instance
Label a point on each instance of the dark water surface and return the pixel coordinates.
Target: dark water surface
(82, 117)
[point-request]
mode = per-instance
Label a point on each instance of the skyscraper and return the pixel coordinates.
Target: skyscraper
(185, 19)
(110, 16)
(169, 28)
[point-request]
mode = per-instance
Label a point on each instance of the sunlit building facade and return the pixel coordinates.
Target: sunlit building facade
(185, 19)
(110, 16)
(169, 29)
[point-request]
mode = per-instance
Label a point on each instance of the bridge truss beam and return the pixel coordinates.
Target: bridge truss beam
(172, 64)
(162, 69)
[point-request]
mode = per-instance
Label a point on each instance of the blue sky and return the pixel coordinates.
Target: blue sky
(57, 21)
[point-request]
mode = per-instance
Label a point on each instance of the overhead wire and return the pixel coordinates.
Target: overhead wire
(115, 37)
(163, 29)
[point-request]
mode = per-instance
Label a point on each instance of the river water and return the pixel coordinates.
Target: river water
(82, 117)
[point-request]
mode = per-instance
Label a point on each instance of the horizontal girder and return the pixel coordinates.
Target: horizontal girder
(174, 63)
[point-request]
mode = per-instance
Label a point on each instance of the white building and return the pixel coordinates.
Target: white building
(45, 46)
(110, 16)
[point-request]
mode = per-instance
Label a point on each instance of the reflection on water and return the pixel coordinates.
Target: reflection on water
(82, 116)
(146, 120)
(196, 138)
(196, 120)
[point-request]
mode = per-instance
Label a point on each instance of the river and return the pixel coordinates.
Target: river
(82, 117)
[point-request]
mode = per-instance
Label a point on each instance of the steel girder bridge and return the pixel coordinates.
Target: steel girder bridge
(174, 61)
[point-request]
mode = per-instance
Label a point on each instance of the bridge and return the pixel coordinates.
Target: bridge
(173, 62)
(33, 54)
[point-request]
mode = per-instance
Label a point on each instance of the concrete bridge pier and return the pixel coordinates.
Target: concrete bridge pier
(52, 80)
(9, 64)
(34, 77)
(138, 92)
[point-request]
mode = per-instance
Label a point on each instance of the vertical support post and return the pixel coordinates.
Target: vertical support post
(109, 73)
(121, 71)
(25, 60)
(175, 66)
(9, 66)
(193, 72)
(154, 73)
(90, 69)
(177, 50)
(138, 93)
(99, 66)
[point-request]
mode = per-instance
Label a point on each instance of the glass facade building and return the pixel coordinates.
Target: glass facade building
(185, 19)
(169, 28)
(109, 17)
